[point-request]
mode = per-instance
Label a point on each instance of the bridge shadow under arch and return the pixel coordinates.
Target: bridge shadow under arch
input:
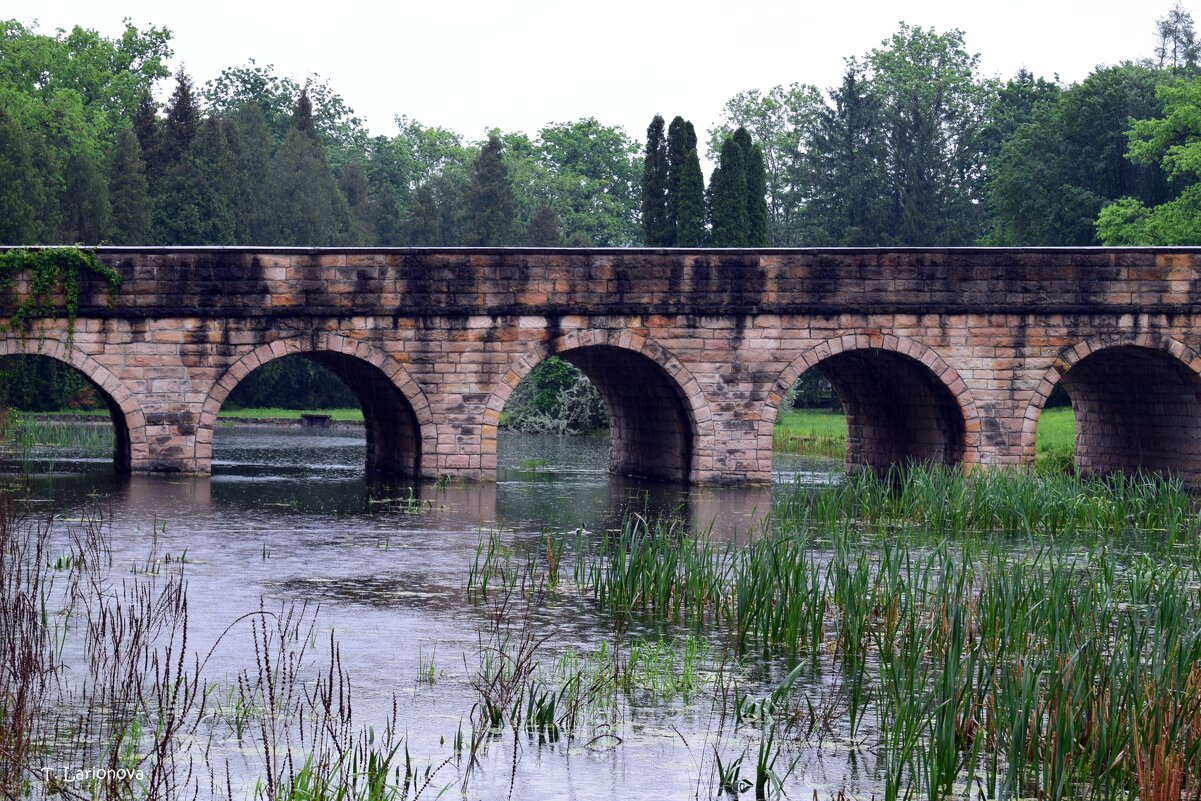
(396, 415)
(657, 419)
(902, 403)
(130, 448)
(1137, 404)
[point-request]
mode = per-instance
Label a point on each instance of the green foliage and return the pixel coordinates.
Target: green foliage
(305, 205)
(1052, 175)
(756, 197)
(591, 180)
(50, 272)
(932, 107)
(292, 382)
(1173, 141)
(1177, 49)
(656, 228)
(781, 121)
(690, 203)
(490, 205)
(22, 200)
(728, 204)
(42, 384)
(543, 230)
(341, 132)
(841, 170)
(128, 191)
(556, 398)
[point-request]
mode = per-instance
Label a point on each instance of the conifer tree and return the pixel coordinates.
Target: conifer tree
(21, 187)
(85, 208)
(148, 129)
(183, 120)
(128, 191)
(656, 225)
(756, 198)
(677, 151)
(544, 230)
(728, 198)
(252, 160)
(304, 202)
(355, 188)
(690, 202)
(490, 205)
(424, 228)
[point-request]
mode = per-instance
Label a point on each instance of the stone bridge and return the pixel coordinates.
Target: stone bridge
(940, 355)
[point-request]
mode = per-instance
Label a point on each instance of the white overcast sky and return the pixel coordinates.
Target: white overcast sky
(470, 65)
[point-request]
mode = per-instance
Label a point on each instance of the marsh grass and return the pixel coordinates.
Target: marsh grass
(1027, 635)
(28, 436)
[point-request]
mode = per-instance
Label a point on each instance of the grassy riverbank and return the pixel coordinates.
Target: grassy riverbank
(821, 432)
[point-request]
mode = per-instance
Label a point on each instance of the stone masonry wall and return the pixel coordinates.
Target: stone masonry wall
(949, 354)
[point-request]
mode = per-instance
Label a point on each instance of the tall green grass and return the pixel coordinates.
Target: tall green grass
(1024, 635)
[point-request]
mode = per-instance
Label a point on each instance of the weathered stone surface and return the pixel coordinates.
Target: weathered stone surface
(945, 355)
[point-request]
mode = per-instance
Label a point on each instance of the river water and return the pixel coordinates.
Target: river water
(287, 519)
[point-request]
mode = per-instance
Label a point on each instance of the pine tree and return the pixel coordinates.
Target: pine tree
(148, 129)
(183, 120)
(656, 226)
(305, 205)
(252, 161)
(354, 186)
(128, 191)
(728, 198)
(843, 171)
(544, 230)
(85, 207)
(690, 202)
(22, 194)
(490, 205)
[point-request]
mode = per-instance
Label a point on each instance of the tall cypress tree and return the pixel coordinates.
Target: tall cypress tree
(128, 191)
(728, 198)
(756, 198)
(690, 202)
(656, 225)
(677, 151)
(491, 207)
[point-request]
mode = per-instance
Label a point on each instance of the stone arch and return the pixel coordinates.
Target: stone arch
(903, 402)
(1137, 401)
(130, 446)
(396, 414)
(672, 431)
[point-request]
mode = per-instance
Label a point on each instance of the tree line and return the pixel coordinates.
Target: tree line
(914, 147)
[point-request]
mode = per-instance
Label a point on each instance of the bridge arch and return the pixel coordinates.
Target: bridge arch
(659, 423)
(396, 415)
(902, 401)
(1137, 402)
(131, 448)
